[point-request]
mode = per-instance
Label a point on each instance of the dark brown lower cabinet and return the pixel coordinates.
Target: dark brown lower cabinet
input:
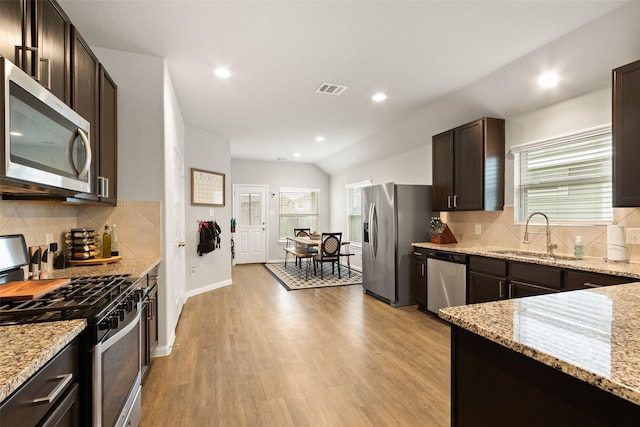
(50, 397)
(418, 277)
(487, 280)
(492, 385)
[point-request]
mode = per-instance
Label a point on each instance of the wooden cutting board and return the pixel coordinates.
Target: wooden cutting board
(29, 289)
(95, 261)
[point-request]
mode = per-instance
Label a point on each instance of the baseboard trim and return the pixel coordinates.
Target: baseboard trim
(208, 288)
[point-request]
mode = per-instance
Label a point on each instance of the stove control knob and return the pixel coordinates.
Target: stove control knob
(113, 321)
(121, 315)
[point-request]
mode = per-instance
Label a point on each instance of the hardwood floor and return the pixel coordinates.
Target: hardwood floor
(253, 354)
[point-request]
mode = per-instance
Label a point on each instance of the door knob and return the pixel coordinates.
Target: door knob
(180, 244)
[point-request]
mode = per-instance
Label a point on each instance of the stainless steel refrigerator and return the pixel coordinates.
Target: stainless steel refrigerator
(394, 216)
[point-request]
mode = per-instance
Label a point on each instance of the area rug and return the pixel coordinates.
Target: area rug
(292, 277)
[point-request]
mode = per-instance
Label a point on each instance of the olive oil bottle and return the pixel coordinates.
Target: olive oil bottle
(106, 242)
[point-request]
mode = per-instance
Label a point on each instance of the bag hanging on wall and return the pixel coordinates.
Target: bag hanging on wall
(209, 235)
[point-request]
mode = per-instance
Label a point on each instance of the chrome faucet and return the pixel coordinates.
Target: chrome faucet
(550, 247)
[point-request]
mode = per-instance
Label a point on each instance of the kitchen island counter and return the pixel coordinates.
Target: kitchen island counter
(27, 348)
(591, 335)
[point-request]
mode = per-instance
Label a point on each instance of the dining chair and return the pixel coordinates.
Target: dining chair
(329, 252)
(303, 232)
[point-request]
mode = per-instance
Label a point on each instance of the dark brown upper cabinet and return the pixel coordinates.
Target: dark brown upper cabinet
(108, 166)
(84, 98)
(626, 135)
(35, 35)
(12, 23)
(468, 167)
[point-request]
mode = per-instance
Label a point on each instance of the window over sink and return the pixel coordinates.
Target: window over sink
(569, 178)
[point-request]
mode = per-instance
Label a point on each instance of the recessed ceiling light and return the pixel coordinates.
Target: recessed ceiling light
(319, 138)
(297, 154)
(379, 97)
(222, 73)
(548, 80)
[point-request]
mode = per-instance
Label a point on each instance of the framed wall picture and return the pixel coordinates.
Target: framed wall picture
(207, 188)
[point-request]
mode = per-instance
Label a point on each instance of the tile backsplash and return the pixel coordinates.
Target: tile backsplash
(497, 228)
(138, 223)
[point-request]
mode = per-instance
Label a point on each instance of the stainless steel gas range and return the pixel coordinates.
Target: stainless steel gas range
(110, 345)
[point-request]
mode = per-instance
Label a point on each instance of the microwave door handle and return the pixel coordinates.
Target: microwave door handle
(87, 147)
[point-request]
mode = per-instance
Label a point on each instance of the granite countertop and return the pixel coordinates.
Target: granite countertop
(134, 267)
(24, 349)
(592, 335)
(594, 265)
(27, 348)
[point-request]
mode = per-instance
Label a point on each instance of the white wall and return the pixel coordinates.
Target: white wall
(140, 80)
(280, 174)
(142, 166)
(411, 167)
(210, 152)
(570, 116)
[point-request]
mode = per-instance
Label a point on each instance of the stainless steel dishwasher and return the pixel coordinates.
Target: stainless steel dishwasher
(446, 280)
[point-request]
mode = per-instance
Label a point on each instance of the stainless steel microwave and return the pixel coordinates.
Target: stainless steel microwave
(46, 147)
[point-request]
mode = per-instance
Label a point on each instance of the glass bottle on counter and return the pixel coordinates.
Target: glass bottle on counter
(106, 242)
(114, 241)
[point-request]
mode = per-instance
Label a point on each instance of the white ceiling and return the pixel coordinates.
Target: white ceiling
(280, 51)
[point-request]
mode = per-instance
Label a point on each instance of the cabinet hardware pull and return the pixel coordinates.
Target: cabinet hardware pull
(48, 62)
(591, 285)
(417, 254)
(449, 201)
(510, 292)
(152, 301)
(36, 62)
(423, 270)
(455, 200)
(501, 289)
(66, 379)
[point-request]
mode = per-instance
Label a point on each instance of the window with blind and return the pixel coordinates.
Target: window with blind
(567, 178)
(298, 209)
(354, 211)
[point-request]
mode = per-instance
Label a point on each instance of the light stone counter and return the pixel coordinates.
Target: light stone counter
(134, 267)
(594, 265)
(27, 348)
(592, 335)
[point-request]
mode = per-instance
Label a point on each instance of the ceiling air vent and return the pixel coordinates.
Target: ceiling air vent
(331, 89)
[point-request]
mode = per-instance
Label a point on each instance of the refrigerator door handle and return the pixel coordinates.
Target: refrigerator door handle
(374, 227)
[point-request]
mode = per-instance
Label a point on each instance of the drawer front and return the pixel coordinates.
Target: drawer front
(495, 267)
(419, 255)
(583, 280)
(536, 274)
(28, 405)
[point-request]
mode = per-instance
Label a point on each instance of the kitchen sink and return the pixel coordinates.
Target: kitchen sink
(531, 254)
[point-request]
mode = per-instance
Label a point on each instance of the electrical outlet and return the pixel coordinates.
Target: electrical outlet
(633, 236)
(193, 271)
(478, 229)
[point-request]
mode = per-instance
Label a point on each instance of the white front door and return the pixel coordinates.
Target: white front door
(250, 212)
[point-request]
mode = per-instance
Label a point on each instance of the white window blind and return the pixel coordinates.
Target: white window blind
(298, 209)
(567, 178)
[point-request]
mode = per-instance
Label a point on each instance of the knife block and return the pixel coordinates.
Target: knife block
(445, 237)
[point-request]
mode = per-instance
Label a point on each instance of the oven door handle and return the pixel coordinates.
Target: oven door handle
(66, 379)
(105, 345)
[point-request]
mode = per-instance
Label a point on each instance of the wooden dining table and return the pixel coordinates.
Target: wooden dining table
(311, 243)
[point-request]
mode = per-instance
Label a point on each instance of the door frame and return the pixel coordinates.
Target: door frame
(264, 187)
